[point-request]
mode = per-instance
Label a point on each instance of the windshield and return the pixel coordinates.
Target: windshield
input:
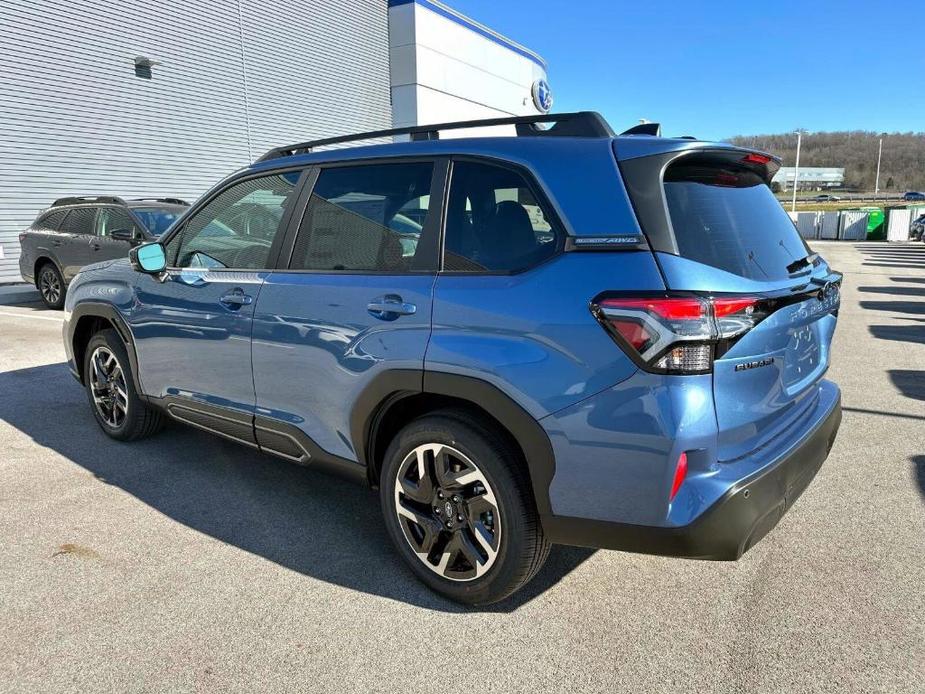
(726, 216)
(157, 219)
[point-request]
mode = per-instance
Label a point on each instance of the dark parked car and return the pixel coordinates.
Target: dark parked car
(917, 231)
(589, 339)
(913, 196)
(78, 231)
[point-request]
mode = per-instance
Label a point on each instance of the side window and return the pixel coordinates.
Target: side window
(110, 219)
(52, 221)
(79, 221)
(236, 229)
(495, 222)
(365, 217)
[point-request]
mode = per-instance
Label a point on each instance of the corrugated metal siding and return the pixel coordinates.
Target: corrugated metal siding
(852, 225)
(74, 119)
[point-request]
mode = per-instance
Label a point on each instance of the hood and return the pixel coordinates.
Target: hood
(96, 267)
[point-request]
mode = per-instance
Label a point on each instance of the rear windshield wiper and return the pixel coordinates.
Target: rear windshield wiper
(802, 262)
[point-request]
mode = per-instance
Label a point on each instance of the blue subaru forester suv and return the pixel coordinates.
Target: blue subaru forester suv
(565, 336)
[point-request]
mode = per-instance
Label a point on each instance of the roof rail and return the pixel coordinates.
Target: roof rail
(81, 199)
(654, 129)
(169, 201)
(578, 124)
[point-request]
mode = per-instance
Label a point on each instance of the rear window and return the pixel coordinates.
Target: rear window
(725, 216)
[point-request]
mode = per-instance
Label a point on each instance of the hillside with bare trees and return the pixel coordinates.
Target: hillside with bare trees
(902, 168)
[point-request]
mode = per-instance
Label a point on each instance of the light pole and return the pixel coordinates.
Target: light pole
(879, 156)
(796, 171)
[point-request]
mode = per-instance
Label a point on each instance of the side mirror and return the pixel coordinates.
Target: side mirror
(150, 258)
(122, 235)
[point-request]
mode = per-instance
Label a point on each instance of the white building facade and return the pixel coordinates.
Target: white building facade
(144, 99)
(810, 177)
(445, 67)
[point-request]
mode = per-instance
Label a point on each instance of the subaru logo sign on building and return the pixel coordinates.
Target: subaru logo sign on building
(542, 96)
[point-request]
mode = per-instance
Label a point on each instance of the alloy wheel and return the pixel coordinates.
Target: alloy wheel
(448, 512)
(107, 384)
(50, 286)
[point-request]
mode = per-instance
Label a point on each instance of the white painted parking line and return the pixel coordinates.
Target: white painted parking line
(28, 315)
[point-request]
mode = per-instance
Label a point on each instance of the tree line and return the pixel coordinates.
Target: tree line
(902, 167)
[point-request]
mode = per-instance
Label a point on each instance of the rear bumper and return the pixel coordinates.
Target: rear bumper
(25, 268)
(726, 530)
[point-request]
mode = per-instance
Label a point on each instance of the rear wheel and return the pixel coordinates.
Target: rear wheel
(457, 504)
(119, 411)
(51, 286)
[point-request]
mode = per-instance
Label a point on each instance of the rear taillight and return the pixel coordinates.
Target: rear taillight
(22, 236)
(756, 158)
(677, 334)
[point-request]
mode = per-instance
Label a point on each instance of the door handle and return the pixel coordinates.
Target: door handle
(235, 299)
(95, 245)
(390, 307)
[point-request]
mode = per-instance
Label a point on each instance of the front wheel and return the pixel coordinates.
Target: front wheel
(119, 411)
(458, 506)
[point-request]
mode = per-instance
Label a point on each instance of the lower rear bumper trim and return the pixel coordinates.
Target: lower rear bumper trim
(739, 519)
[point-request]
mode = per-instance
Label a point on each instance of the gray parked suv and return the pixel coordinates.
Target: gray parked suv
(78, 231)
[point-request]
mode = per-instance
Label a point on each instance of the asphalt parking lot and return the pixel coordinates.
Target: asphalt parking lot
(186, 563)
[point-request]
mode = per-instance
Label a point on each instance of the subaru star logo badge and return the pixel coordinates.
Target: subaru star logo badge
(829, 292)
(542, 96)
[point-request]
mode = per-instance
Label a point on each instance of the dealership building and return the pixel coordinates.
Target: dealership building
(810, 177)
(149, 99)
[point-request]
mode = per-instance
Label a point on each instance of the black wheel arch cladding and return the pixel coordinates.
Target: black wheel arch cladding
(391, 387)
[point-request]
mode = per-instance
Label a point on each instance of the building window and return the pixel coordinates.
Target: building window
(143, 67)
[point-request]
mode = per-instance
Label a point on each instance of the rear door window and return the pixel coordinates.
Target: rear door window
(725, 216)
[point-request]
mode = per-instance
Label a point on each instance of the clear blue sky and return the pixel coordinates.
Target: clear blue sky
(716, 69)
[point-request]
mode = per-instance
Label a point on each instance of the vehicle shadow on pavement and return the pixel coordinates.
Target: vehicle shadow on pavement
(319, 525)
(918, 463)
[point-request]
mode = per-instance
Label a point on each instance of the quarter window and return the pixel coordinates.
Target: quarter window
(495, 222)
(79, 221)
(237, 228)
(366, 217)
(52, 221)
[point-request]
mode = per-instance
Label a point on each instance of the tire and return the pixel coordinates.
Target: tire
(114, 400)
(483, 492)
(51, 286)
